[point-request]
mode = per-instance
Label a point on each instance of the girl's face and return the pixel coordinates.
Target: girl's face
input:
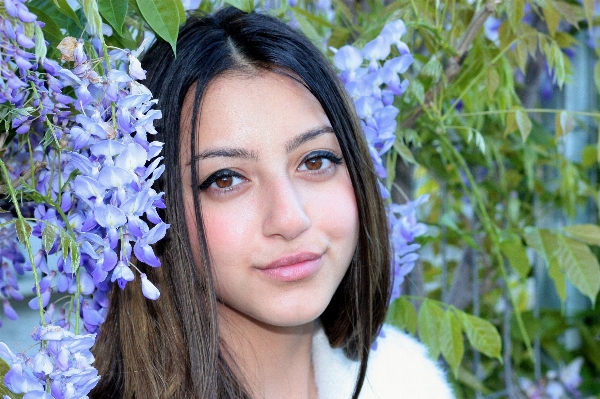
(277, 202)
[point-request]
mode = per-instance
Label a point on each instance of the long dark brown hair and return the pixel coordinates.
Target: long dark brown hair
(171, 347)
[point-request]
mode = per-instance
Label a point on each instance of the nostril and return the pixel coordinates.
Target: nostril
(285, 215)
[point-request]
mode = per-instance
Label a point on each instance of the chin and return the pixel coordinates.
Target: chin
(292, 318)
(286, 311)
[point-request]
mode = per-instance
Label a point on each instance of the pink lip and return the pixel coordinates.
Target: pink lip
(293, 267)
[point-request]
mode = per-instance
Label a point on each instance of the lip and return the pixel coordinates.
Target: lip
(293, 267)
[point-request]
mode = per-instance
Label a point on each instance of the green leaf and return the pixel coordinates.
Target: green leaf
(405, 153)
(75, 255)
(521, 55)
(493, 81)
(470, 380)
(315, 20)
(552, 18)
(244, 5)
(64, 7)
(416, 91)
(29, 29)
(402, 314)
(588, 6)
(544, 243)
(430, 318)
(559, 63)
(482, 334)
(40, 44)
(23, 230)
(124, 41)
(305, 26)
(512, 248)
(589, 155)
(514, 10)
(451, 341)
(563, 124)
(163, 18)
(433, 68)
(90, 9)
(570, 12)
(524, 124)
(559, 279)
(114, 12)
(181, 11)
(580, 266)
(588, 233)
(64, 244)
(339, 37)
(511, 123)
(48, 237)
(342, 9)
(51, 29)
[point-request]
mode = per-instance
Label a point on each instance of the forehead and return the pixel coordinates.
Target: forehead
(250, 110)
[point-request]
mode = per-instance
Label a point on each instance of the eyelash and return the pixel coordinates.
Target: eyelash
(219, 174)
(323, 154)
(328, 155)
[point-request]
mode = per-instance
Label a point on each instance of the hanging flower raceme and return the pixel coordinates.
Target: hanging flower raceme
(92, 170)
(110, 200)
(373, 80)
(61, 369)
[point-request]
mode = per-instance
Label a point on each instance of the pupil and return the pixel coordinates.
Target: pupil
(314, 164)
(224, 182)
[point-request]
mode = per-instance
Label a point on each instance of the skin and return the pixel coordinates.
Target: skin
(283, 191)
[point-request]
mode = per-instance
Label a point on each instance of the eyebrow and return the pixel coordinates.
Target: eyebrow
(290, 146)
(307, 136)
(227, 153)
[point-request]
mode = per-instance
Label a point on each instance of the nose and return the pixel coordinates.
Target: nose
(284, 211)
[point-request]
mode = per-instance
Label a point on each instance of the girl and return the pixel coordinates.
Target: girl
(276, 268)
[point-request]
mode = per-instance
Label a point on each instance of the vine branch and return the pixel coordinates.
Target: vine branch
(23, 177)
(456, 62)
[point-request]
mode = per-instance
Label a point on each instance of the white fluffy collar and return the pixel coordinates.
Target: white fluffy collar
(398, 369)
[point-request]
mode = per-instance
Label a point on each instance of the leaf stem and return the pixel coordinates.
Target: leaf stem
(26, 242)
(491, 231)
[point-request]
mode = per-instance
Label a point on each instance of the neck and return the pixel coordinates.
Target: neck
(272, 362)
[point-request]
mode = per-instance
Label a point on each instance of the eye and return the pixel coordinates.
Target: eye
(320, 160)
(222, 180)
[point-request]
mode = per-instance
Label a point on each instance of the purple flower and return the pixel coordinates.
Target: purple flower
(65, 364)
(404, 229)
(376, 50)
(348, 58)
(135, 68)
(142, 249)
(490, 29)
(148, 289)
(9, 311)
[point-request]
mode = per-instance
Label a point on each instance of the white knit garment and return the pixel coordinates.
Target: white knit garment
(398, 369)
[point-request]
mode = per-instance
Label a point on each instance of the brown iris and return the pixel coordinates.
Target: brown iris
(224, 182)
(314, 163)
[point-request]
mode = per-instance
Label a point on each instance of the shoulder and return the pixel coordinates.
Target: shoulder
(398, 368)
(400, 364)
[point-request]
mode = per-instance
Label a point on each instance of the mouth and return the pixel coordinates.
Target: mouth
(293, 267)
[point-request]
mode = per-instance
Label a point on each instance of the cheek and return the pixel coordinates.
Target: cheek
(229, 229)
(336, 212)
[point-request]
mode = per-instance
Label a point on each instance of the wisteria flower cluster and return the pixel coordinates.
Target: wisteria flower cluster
(373, 80)
(83, 153)
(561, 384)
(61, 369)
